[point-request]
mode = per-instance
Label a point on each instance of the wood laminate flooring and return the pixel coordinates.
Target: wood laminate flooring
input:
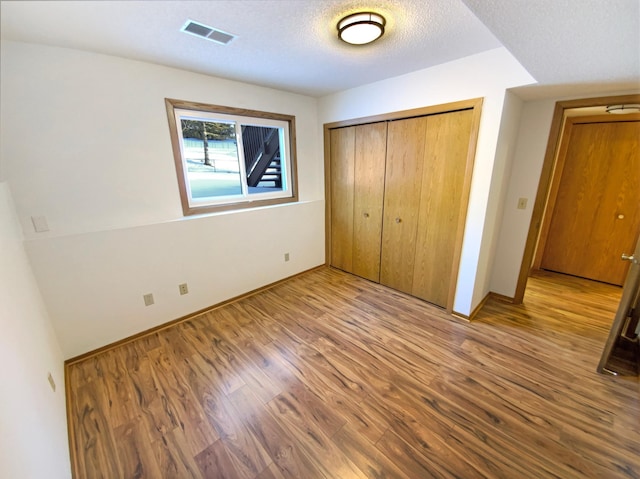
(331, 376)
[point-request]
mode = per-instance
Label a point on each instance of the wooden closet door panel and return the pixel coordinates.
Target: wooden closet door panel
(342, 171)
(370, 155)
(443, 175)
(403, 179)
(600, 183)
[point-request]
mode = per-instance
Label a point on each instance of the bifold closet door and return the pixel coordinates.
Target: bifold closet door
(370, 153)
(403, 181)
(441, 200)
(342, 186)
(357, 189)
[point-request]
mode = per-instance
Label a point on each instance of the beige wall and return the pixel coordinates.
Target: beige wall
(33, 428)
(85, 143)
(528, 156)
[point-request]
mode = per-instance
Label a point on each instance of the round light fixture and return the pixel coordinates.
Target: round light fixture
(361, 28)
(622, 109)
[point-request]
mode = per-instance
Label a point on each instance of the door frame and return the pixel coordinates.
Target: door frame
(554, 189)
(548, 170)
(474, 104)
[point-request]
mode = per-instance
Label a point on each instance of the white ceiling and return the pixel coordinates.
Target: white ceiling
(569, 46)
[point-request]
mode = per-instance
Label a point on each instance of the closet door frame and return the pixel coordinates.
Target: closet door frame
(474, 104)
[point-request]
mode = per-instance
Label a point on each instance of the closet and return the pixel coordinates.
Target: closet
(398, 191)
(357, 184)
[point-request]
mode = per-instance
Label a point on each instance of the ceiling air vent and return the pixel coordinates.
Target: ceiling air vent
(208, 33)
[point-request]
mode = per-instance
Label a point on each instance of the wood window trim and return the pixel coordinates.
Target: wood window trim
(474, 104)
(172, 104)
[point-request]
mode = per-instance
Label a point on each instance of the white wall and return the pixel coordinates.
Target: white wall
(486, 75)
(33, 429)
(85, 143)
(528, 156)
(507, 137)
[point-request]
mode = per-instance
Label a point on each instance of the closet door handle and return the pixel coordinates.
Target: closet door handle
(398, 220)
(366, 215)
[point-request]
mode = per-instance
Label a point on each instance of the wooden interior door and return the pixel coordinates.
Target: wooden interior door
(597, 208)
(342, 188)
(403, 181)
(370, 154)
(443, 176)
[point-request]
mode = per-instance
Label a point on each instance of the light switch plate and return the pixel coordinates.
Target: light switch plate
(522, 203)
(52, 383)
(148, 299)
(40, 224)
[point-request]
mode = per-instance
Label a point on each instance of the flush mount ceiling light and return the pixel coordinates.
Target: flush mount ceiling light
(622, 109)
(361, 28)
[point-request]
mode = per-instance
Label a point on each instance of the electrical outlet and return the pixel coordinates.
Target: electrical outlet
(522, 203)
(183, 288)
(148, 299)
(52, 383)
(286, 256)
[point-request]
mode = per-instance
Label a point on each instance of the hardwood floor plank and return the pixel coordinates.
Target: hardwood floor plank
(97, 451)
(331, 376)
(313, 369)
(152, 402)
(257, 307)
(307, 408)
(479, 450)
(118, 390)
(437, 460)
(221, 371)
(503, 419)
(261, 384)
(149, 343)
(371, 461)
(174, 458)
(214, 463)
(242, 445)
(135, 452)
(603, 452)
(305, 429)
(282, 448)
(189, 415)
(271, 472)
(360, 416)
(580, 402)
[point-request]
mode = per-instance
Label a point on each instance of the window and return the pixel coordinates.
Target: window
(229, 158)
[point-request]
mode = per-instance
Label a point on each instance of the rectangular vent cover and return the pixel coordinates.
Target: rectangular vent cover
(206, 32)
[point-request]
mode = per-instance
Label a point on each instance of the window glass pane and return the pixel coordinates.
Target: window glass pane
(211, 158)
(264, 158)
(228, 158)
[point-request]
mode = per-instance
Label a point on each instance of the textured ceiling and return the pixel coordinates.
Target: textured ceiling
(568, 46)
(292, 44)
(287, 44)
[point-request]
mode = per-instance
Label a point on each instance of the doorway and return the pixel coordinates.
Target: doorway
(593, 213)
(550, 169)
